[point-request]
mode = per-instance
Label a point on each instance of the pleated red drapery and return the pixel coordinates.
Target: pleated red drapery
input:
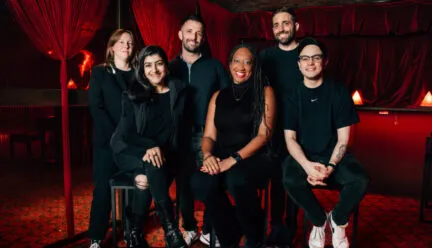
(60, 29)
(159, 22)
(383, 50)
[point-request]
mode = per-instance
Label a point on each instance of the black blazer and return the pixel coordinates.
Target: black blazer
(104, 96)
(128, 137)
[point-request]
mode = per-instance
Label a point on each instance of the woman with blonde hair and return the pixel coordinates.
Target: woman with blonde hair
(107, 83)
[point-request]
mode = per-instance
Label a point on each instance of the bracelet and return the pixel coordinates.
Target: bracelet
(331, 165)
(236, 156)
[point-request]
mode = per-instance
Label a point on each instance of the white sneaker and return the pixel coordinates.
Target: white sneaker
(190, 237)
(339, 237)
(205, 239)
(95, 244)
(317, 236)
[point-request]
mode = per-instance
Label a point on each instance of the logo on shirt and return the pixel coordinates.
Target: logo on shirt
(314, 99)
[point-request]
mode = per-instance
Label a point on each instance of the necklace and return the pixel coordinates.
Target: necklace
(239, 92)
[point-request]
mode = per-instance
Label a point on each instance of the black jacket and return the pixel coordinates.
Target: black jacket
(104, 96)
(207, 75)
(128, 137)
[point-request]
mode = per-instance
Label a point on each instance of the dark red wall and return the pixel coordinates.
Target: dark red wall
(391, 148)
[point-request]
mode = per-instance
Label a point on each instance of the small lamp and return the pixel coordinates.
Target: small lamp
(71, 85)
(427, 100)
(357, 98)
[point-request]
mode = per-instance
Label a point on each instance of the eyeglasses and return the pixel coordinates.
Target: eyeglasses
(314, 58)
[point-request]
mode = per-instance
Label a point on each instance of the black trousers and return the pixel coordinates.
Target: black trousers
(242, 182)
(186, 195)
(103, 169)
(348, 173)
(280, 203)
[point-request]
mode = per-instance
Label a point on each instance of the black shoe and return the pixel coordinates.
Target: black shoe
(136, 239)
(173, 236)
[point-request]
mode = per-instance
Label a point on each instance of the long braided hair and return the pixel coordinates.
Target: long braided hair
(259, 81)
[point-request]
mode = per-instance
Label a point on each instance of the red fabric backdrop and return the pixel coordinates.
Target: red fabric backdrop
(383, 50)
(159, 22)
(60, 29)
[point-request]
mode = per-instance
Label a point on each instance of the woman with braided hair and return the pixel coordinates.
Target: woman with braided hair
(238, 128)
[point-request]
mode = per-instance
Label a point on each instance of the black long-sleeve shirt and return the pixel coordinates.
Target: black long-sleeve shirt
(205, 77)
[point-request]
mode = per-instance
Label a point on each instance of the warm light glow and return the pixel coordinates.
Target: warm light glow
(87, 63)
(50, 52)
(357, 98)
(71, 85)
(427, 100)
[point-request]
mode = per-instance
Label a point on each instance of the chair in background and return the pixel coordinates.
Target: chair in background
(426, 182)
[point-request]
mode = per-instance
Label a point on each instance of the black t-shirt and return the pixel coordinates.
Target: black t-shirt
(282, 70)
(128, 76)
(159, 121)
(316, 114)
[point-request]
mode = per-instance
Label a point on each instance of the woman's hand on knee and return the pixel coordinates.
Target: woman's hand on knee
(154, 156)
(141, 182)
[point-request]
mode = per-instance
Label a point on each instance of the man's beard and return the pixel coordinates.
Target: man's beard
(191, 50)
(288, 40)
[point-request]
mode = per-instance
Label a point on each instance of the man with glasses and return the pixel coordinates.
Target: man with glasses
(280, 65)
(317, 121)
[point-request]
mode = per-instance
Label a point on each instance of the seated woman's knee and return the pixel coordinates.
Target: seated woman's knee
(141, 181)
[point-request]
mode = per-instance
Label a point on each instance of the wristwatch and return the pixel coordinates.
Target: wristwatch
(331, 165)
(236, 157)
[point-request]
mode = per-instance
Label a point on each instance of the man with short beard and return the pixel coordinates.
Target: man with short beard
(204, 76)
(280, 65)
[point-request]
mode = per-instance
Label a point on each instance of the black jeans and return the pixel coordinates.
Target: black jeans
(348, 173)
(159, 180)
(187, 199)
(280, 204)
(103, 169)
(242, 182)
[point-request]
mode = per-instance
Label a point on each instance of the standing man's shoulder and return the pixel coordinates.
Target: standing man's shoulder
(175, 63)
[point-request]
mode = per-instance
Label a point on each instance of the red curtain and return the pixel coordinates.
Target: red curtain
(383, 50)
(60, 29)
(159, 22)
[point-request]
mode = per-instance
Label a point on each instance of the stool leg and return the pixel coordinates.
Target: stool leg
(213, 238)
(355, 225)
(125, 219)
(305, 230)
(113, 211)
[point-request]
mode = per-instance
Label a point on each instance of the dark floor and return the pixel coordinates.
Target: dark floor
(32, 210)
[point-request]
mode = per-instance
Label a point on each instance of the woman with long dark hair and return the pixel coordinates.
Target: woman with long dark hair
(146, 142)
(238, 128)
(107, 83)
